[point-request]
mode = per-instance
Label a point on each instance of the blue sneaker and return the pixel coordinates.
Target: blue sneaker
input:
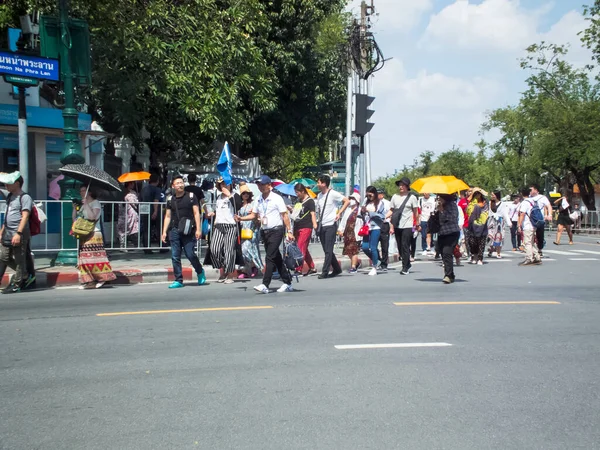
(202, 278)
(175, 285)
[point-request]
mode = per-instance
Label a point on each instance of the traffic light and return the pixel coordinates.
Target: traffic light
(363, 114)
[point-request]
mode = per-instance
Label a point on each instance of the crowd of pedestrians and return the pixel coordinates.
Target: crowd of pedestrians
(450, 228)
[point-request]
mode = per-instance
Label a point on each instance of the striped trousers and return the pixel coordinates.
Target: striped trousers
(222, 246)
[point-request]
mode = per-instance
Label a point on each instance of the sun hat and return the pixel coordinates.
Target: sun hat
(403, 180)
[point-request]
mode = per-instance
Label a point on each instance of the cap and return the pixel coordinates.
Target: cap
(404, 180)
(265, 179)
(10, 178)
(245, 188)
(380, 191)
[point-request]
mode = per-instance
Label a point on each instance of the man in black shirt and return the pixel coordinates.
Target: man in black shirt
(195, 189)
(182, 223)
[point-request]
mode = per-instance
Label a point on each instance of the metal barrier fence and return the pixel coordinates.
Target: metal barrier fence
(124, 225)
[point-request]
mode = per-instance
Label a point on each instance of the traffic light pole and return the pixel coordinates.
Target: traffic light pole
(349, 168)
(368, 142)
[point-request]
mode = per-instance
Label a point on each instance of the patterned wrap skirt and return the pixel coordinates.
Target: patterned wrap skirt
(93, 261)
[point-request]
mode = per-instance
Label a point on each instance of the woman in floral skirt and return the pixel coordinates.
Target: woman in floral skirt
(93, 265)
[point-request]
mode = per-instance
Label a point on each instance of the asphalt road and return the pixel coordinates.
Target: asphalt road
(516, 376)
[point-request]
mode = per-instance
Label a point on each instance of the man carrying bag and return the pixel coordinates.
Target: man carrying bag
(404, 211)
(182, 223)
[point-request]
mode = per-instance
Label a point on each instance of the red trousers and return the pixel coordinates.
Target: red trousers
(302, 237)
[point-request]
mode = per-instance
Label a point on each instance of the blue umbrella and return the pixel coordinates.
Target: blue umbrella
(286, 189)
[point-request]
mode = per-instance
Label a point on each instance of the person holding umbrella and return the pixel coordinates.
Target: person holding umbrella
(93, 264)
(129, 219)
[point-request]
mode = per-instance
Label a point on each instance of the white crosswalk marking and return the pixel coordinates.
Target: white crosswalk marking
(589, 252)
(583, 259)
(561, 252)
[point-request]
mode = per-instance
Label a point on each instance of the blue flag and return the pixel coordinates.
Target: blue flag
(224, 164)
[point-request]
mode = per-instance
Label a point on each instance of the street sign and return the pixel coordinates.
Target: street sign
(29, 66)
(51, 41)
(20, 81)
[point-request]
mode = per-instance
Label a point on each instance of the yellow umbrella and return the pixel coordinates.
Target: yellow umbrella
(134, 176)
(311, 193)
(447, 184)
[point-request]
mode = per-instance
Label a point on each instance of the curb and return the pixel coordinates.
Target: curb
(47, 280)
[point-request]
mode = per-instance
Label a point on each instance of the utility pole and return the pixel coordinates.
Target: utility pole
(23, 144)
(22, 126)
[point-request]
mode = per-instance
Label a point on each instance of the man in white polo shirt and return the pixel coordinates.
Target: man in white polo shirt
(329, 212)
(270, 209)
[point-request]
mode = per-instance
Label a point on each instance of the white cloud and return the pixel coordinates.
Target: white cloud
(395, 15)
(492, 25)
(430, 111)
(433, 100)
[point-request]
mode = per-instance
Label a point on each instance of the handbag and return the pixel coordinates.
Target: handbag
(364, 231)
(7, 237)
(185, 225)
(293, 257)
(82, 228)
(247, 233)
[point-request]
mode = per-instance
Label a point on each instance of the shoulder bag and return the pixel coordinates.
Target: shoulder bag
(322, 214)
(397, 214)
(185, 225)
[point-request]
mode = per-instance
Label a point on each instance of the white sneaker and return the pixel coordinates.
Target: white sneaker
(262, 289)
(373, 272)
(425, 253)
(480, 263)
(286, 288)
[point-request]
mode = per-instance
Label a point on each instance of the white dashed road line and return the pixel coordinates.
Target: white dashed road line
(405, 345)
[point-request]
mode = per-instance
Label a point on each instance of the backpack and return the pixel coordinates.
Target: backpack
(35, 224)
(293, 257)
(536, 216)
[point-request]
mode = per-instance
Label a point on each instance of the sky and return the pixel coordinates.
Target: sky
(452, 62)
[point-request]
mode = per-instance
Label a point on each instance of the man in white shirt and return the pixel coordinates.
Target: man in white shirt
(546, 207)
(270, 209)
(404, 212)
(427, 205)
(384, 237)
(329, 213)
(532, 254)
(513, 213)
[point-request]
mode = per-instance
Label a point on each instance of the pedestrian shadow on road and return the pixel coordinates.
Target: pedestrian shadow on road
(438, 280)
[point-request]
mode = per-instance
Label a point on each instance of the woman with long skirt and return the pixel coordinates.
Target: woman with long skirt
(93, 265)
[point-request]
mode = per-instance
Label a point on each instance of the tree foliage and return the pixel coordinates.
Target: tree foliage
(267, 75)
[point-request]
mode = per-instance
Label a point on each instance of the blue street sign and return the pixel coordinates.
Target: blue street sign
(29, 66)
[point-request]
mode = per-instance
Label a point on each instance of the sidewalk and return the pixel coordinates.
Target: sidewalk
(135, 267)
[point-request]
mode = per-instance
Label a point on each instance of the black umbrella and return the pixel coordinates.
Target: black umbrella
(91, 176)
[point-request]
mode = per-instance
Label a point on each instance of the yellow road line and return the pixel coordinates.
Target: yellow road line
(476, 303)
(168, 311)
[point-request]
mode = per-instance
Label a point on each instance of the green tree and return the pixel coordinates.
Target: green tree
(265, 75)
(556, 126)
